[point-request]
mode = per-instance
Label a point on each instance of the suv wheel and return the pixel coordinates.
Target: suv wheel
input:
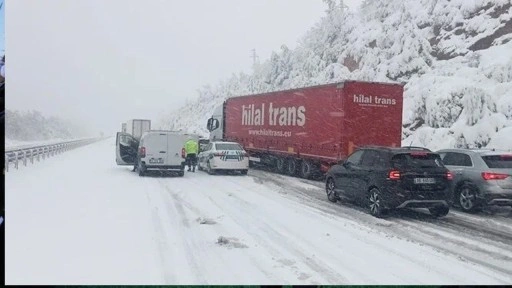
(330, 190)
(467, 198)
(375, 203)
(439, 211)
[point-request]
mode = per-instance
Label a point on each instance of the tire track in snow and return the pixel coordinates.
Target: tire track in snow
(279, 257)
(374, 243)
(161, 242)
(179, 215)
(180, 205)
(277, 237)
(264, 241)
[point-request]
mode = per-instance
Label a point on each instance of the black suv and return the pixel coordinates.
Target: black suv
(385, 178)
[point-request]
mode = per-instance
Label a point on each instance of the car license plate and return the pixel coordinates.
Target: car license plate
(156, 161)
(424, 181)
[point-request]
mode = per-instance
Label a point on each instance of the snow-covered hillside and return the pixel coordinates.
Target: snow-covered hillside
(454, 56)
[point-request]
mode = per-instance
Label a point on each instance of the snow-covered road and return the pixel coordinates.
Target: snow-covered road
(77, 218)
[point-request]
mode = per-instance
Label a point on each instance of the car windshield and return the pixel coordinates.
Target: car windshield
(498, 161)
(417, 160)
(228, 146)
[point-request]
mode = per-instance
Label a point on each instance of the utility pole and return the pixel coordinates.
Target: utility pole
(254, 56)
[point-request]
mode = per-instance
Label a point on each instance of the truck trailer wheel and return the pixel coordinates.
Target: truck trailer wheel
(306, 169)
(280, 165)
(291, 168)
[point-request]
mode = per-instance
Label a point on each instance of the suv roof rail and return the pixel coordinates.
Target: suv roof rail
(489, 150)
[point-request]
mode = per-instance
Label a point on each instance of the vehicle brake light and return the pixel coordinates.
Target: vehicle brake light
(217, 154)
(245, 154)
(418, 154)
(506, 156)
(449, 175)
(183, 153)
(493, 176)
(142, 152)
(394, 175)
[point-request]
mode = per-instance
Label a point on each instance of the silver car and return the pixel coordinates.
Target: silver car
(481, 177)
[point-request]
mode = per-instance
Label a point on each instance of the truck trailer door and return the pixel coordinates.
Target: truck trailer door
(146, 126)
(137, 128)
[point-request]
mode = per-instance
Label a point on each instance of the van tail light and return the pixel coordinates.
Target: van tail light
(394, 175)
(183, 153)
(217, 154)
(245, 154)
(142, 152)
(418, 154)
(449, 175)
(493, 176)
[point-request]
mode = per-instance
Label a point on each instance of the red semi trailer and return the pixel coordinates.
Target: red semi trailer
(305, 131)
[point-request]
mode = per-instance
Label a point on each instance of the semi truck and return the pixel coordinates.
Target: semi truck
(136, 127)
(307, 130)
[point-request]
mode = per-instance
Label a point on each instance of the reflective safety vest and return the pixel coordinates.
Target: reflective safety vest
(191, 146)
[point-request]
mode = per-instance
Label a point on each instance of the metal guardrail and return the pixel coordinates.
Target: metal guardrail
(25, 154)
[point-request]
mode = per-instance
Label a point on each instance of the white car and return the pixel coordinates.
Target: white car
(225, 156)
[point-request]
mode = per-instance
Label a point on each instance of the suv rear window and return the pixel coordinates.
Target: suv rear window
(416, 160)
(228, 146)
(498, 161)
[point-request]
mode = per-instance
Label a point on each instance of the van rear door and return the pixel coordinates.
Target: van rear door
(126, 149)
(156, 148)
(175, 144)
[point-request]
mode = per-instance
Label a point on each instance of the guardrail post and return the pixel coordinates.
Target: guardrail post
(16, 161)
(42, 152)
(32, 156)
(25, 158)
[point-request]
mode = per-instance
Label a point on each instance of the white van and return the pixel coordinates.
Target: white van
(156, 150)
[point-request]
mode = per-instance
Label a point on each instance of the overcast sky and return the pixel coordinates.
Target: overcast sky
(102, 62)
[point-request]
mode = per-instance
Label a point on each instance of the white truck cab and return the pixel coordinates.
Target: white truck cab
(156, 150)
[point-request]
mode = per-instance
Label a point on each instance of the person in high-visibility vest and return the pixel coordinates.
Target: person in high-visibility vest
(191, 150)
